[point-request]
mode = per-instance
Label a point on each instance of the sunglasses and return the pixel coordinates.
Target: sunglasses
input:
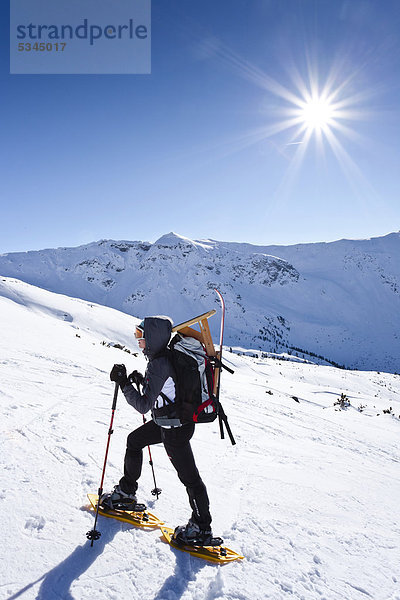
(139, 333)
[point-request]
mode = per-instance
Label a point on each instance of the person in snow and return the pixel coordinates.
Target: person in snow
(158, 395)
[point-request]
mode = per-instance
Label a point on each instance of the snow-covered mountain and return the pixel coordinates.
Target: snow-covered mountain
(338, 300)
(309, 494)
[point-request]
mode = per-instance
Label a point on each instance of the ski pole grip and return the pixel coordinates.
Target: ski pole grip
(115, 396)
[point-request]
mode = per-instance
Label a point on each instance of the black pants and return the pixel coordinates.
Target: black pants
(177, 444)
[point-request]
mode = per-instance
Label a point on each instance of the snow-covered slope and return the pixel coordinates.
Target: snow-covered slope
(338, 300)
(309, 494)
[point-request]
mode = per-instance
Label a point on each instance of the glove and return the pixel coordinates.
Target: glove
(118, 374)
(136, 377)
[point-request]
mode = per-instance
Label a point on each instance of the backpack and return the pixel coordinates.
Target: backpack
(194, 380)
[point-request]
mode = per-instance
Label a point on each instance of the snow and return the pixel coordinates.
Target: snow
(309, 494)
(338, 300)
(173, 239)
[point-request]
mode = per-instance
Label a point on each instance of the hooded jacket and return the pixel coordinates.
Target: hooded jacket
(158, 391)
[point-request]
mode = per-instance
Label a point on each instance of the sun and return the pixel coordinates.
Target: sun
(312, 109)
(317, 114)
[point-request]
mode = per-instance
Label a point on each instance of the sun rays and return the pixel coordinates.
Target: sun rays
(310, 108)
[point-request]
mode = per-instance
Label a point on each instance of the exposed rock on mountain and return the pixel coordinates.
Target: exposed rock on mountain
(339, 300)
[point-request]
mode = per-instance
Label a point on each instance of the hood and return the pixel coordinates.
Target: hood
(157, 333)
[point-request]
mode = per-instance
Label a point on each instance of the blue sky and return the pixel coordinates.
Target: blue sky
(201, 146)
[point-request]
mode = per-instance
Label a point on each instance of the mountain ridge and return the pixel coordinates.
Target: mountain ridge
(339, 300)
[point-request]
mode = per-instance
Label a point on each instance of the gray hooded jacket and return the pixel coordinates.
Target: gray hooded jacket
(158, 392)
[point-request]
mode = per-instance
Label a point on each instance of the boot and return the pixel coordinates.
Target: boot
(193, 535)
(119, 500)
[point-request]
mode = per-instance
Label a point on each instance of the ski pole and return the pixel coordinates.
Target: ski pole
(156, 491)
(93, 534)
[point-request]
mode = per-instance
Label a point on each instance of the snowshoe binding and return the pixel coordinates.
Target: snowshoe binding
(120, 500)
(193, 535)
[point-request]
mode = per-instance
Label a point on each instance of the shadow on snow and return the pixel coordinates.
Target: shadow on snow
(57, 582)
(186, 570)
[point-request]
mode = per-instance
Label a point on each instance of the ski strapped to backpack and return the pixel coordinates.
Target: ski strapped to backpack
(198, 367)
